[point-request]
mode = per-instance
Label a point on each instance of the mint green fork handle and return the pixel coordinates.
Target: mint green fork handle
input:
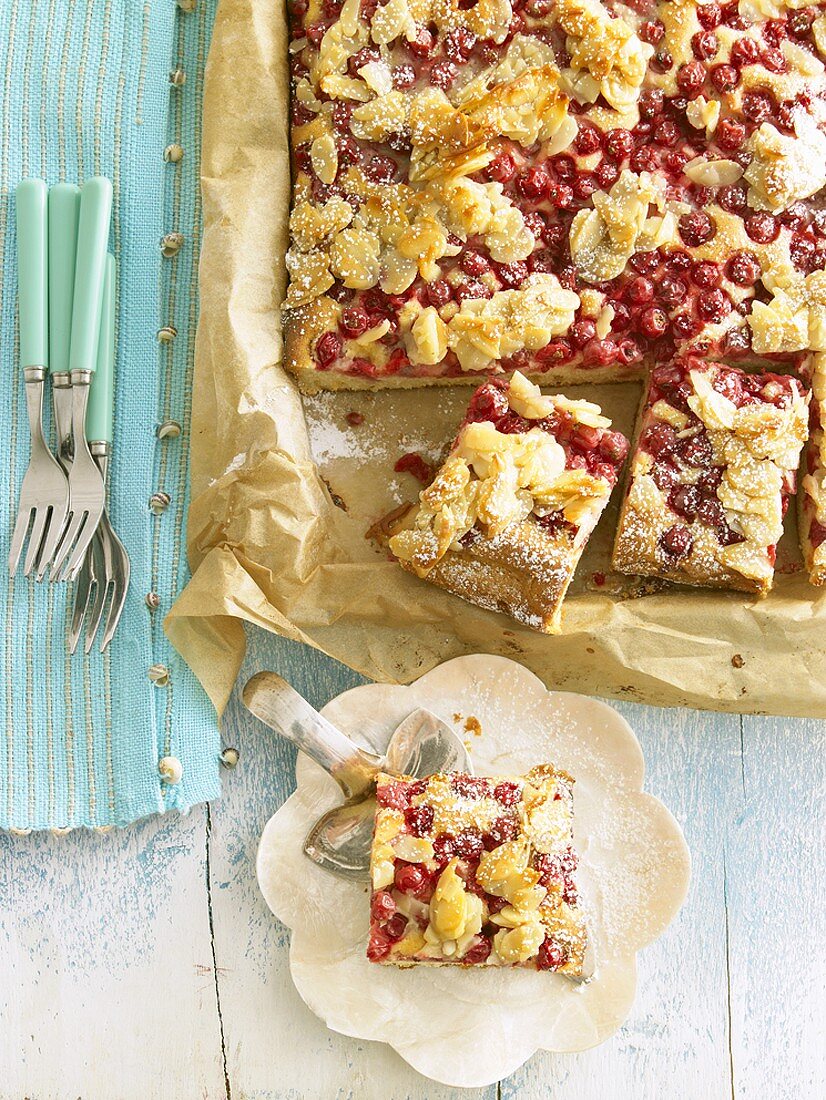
(64, 213)
(92, 241)
(99, 411)
(32, 277)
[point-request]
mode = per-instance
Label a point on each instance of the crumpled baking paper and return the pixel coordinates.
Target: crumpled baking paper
(284, 488)
(470, 1028)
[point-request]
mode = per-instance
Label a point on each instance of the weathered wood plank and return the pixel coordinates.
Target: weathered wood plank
(106, 981)
(776, 887)
(276, 1048)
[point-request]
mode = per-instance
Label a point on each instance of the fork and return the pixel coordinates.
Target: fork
(86, 486)
(64, 210)
(104, 573)
(44, 494)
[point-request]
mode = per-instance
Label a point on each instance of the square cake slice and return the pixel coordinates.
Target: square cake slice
(507, 516)
(713, 469)
(475, 871)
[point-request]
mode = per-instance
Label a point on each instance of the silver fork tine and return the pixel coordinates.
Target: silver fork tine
(115, 612)
(102, 571)
(49, 546)
(41, 521)
(120, 586)
(76, 524)
(104, 578)
(21, 526)
(83, 592)
(94, 563)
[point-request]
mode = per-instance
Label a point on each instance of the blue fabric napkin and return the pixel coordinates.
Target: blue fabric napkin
(86, 90)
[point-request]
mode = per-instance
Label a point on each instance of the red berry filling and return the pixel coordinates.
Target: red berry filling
(419, 819)
(413, 463)
(411, 878)
(679, 456)
(395, 795)
(817, 534)
(478, 952)
(552, 955)
(470, 786)
(507, 793)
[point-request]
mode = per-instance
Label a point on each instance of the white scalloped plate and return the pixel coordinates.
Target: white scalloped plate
(463, 1027)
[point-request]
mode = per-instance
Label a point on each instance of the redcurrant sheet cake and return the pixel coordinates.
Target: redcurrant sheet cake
(572, 188)
(578, 191)
(711, 476)
(507, 516)
(473, 871)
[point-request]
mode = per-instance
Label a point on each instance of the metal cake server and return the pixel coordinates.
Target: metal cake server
(44, 494)
(421, 745)
(86, 487)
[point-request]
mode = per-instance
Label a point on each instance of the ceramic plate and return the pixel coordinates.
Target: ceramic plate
(466, 1027)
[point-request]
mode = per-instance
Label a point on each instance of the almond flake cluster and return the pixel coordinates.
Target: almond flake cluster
(494, 480)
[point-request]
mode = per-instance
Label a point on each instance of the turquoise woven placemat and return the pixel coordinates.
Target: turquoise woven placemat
(85, 89)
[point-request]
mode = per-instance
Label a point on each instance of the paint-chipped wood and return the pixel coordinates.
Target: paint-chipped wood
(106, 987)
(777, 911)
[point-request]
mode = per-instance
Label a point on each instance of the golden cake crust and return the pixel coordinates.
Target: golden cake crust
(524, 572)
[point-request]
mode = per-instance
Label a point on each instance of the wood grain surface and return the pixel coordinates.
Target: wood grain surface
(144, 965)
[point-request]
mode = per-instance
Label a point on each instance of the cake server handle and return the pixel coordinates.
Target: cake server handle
(278, 705)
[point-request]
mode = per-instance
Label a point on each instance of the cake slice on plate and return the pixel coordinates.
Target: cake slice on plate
(711, 476)
(474, 871)
(506, 518)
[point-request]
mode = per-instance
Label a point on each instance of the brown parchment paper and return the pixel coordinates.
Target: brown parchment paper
(283, 488)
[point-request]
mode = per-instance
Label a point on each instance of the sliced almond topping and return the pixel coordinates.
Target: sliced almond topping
(391, 21)
(713, 173)
(520, 943)
(609, 50)
(786, 168)
(427, 342)
(324, 158)
(703, 113)
(354, 257)
(413, 849)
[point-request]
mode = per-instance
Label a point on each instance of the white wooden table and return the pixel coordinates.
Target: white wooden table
(144, 965)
